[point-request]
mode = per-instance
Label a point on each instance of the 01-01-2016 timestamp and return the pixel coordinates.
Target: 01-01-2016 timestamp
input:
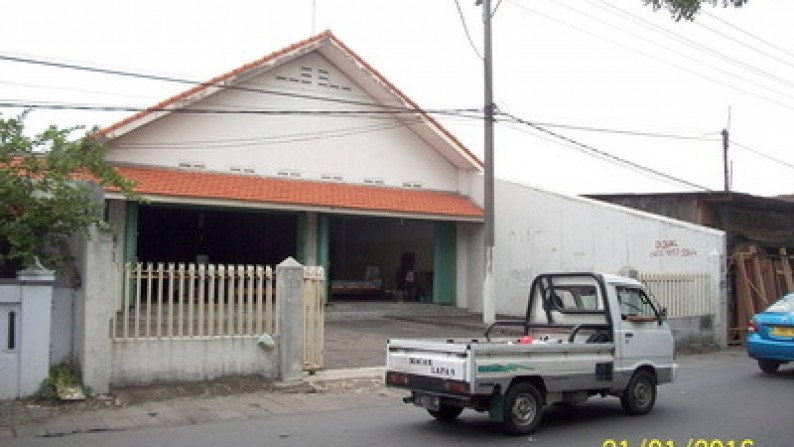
(691, 442)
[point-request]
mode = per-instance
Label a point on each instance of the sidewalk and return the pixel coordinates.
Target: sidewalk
(353, 378)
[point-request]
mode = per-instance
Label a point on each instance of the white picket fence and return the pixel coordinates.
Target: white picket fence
(683, 294)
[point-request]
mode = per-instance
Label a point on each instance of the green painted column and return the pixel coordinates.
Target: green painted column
(300, 243)
(445, 263)
(131, 232)
(324, 248)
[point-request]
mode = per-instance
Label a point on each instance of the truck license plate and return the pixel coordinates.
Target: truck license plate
(427, 401)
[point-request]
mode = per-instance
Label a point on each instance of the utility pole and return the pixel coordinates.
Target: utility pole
(489, 310)
(726, 169)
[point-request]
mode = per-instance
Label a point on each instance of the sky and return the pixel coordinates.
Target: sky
(595, 96)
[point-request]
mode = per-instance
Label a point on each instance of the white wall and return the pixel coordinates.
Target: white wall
(353, 146)
(189, 360)
(540, 231)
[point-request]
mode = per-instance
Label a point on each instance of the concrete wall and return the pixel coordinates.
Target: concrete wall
(355, 147)
(62, 325)
(25, 358)
(540, 231)
(143, 362)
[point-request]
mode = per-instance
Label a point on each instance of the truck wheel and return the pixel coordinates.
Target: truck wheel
(768, 366)
(640, 395)
(523, 408)
(446, 413)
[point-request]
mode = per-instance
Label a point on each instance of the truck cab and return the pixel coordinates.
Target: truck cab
(584, 334)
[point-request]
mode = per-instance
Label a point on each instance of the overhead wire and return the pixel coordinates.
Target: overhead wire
(647, 24)
(692, 59)
(763, 155)
(593, 151)
(753, 36)
(248, 111)
(173, 79)
(269, 139)
(653, 57)
(466, 29)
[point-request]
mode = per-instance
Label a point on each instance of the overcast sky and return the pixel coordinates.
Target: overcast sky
(650, 91)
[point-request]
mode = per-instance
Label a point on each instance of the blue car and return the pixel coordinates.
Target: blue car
(771, 335)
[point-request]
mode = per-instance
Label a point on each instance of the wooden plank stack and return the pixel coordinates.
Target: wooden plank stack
(760, 280)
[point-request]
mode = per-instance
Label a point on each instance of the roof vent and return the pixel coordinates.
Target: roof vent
(332, 177)
(412, 185)
(373, 181)
(289, 173)
(242, 169)
(184, 164)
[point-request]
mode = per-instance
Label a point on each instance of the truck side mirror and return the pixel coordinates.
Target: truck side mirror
(662, 315)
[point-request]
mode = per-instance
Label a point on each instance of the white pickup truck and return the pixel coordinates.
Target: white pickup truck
(584, 334)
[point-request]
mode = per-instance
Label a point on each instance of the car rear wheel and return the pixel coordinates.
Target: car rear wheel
(639, 396)
(768, 366)
(523, 408)
(446, 413)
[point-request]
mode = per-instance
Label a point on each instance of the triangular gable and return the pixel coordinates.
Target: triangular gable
(347, 61)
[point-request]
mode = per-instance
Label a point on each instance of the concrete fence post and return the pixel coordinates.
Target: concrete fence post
(94, 309)
(289, 294)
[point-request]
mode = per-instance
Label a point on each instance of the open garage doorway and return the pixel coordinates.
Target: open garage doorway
(387, 259)
(218, 236)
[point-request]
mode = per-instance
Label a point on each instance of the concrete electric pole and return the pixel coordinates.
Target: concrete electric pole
(489, 312)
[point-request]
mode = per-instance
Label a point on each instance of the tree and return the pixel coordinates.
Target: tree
(687, 9)
(46, 193)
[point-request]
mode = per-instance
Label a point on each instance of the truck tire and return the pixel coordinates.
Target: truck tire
(523, 409)
(639, 396)
(446, 413)
(768, 366)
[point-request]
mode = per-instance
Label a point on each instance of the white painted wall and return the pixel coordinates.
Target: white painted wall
(353, 146)
(23, 368)
(189, 360)
(540, 231)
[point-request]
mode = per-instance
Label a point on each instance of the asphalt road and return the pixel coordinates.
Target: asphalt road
(718, 400)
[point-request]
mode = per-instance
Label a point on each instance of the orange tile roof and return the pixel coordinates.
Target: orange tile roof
(219, 80)
(153, 181)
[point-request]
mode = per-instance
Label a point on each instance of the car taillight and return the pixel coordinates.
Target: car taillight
(456, 387)
(752, 326)
(395, 378)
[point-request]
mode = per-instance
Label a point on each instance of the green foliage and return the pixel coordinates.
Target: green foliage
(687, 9)
(63, 376)
(46, 184)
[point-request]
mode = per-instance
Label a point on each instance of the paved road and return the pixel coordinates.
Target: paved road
(719, 396)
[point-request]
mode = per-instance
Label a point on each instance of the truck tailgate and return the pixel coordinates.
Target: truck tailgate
(429, 358)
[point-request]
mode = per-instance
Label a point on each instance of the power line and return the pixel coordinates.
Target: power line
(466, 29)
(762, 154)
(654, 58)
(751, 35)
(317, 112)
(635, 133)
(269, 139)
(171, 79)
(696, 45)
(590, 150)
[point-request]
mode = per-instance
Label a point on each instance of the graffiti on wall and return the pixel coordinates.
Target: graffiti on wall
(671, 248)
